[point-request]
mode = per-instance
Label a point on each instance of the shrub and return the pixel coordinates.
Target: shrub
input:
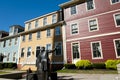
(70, 66)
(99, 65)
(112, 64)
(1, 66)
(83, 64)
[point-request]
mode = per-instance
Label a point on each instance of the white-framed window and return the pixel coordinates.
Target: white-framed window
(57, 31)
(93, 25)
(14, 56)
(37, 50)
(30, 36)
(115, 1)
(117, 19)
(58, 45)
(29, 25)
(90, 4)
(74, 28)
(23, 38)
(117, 47)
(36, 23)
(48, 33)
(75, 50)
(48, 46)
(96, 50)
(38, 34)
(22, 52)
(29, 52)
(4, 43)
(54, 18)
(8, 57)
(44, 21)
(73, 10)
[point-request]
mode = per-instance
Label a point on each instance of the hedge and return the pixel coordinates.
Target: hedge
(69, 66)
(99, 65)
(8, 65)
(112, 64)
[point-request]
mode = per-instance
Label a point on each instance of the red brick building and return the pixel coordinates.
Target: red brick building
(92, 29)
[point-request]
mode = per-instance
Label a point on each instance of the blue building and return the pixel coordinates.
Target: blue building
(9, 45)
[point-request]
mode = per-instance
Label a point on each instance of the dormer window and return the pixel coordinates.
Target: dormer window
(29, 26)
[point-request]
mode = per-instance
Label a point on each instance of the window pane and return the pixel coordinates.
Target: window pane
(57, 31)
(37, 51)
(48, 47)
(73, 10)
(29, 51)
(90, 4)
(93, 25)
(22, 52)
(117, 17)
(30, 36)
(117, 43)
(115, 1)
(44, 21)
(36, 23)
(38, 34)
(75, 49)
(23, 38)
(54, 18)
(48, 32)
(96, 50)
(74, 28)
(29, 26)
(58, 45)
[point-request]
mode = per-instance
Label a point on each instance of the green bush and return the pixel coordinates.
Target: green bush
(70, 66)
(112, 64)
(83, 64)
(10, 65)
(1, 66)
(99, 65)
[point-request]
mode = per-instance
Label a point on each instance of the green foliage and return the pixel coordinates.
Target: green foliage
(83, 64)
(112, 64)
(1, 66)
(8, 65)
(99, 65)
(70, 66)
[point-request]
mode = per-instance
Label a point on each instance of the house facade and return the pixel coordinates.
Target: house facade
(92, 30)
(9, 45)
(44, 31)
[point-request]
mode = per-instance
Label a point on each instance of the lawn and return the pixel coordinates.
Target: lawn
(93, 71)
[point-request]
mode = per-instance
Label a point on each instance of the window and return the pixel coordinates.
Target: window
(11, 29)
(48, 33)
(96, 50)
(44, 21)
(117, 47)
(57, 31)
(115, 1)
(93, 25)
(29, 51)
(4, 43)
(74, 29)
(37, 51)
(90, 4)
(23, 38)
(38, 34)
(10, 41)
(22, 52)
(75, 51)
(48, 47)
(73, 10)
(15, 30)
(117, 19)
(36, 23)
(29, 26)
(30, 36)
(8, 56)
(14, 55)
(58, 45)
(54, 18)
(16, 40)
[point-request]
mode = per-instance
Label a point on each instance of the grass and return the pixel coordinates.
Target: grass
(93, 71)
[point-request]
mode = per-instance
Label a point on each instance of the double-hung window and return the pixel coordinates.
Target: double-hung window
(23, 38)
(117, 19)
(54, 18)
(57, 31)
(38, 34)
(30, 36)
(74, 29)
(44, 21)
(117, 47)
(90, 4)
(29, 26)
(58, 45)
(36, 23)
(29, 52)
(22, 52)
(48, 47)
(73, 10)
(93, 25)
(96, 50)
(48, 33)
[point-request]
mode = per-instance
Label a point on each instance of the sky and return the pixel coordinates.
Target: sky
(16, 12)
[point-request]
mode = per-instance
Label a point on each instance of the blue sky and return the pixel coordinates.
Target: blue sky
(18, 11)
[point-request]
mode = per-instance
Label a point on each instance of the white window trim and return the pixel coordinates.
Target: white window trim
(54, 19)
(89, 25)
(115, 47)
(50, 33)
(78, 50)
(115, 19)
(71, 29)
(90, 9)
(37, 23)
(100, 48)
(113, 3)
(37, 35)
(61, 48)
(30, 53)
(46, 46)
(70, 10)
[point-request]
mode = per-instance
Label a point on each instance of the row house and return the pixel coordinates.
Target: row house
(92, 30)
(44, 31)
(9, 45)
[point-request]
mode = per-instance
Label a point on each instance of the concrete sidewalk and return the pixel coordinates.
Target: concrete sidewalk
(74, 76)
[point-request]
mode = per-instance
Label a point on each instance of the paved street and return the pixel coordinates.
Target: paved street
(73, 76)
